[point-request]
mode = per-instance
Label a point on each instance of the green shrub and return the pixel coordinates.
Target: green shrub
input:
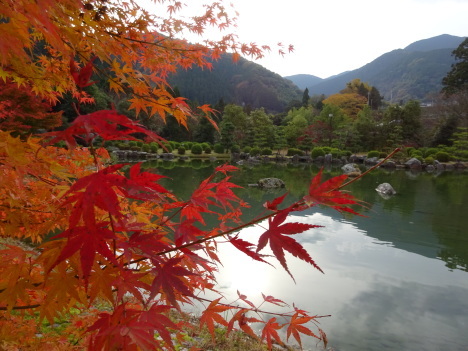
(135, 148)
(317, 151)
(409, 150)
(235, 148)
(154, 148)
(326, 149)
(207, 150)
(335, 152)
(181, 150)
(132, 143)
(168, 148)
(346, 153)
(246, 149)
(205, 145)
(255, 151)
(383, 155)
(442, 156)
(197, 149)
(429, 151)
(146, 148)
(293, 151)
(266, 151)
(373, 153)
(429, 160)
(218, 148)
(415, 153)
(140, 143)
(462, 155)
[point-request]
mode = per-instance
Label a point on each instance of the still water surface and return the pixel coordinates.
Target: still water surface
(395, 279)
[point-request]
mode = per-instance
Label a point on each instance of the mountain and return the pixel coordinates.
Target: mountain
(414, 72)
(304, 80)
(443, 41)
(242, 82)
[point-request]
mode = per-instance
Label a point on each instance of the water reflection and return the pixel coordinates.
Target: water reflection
(394, 280)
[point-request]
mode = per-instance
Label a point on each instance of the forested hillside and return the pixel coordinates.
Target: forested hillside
(242, 82)
(415, 72)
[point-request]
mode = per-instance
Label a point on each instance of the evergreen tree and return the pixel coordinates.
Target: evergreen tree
(457, 79)
(305, 98)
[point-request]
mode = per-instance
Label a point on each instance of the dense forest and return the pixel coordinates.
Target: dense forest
(242, 82)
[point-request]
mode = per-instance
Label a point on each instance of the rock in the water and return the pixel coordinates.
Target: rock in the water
(351, 169)
(270, 183)
(386, 190)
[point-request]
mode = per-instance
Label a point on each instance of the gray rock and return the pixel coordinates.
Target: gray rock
(430, 168)
(328, 158)
(270, 183)
(389, 164)
(413, 163)
(371, 161)
(167, 156)
(351, 169)
(385, 190)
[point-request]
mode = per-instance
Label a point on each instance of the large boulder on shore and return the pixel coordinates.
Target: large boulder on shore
(413, 163)
(270, 183)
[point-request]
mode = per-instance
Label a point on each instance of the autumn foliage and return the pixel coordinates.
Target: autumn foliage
(105, 246)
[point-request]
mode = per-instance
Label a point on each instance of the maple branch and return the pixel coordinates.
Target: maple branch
(286, 314)
(369, 170)
(27, 307)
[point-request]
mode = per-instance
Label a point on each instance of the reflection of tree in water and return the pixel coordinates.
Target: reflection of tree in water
(450, 219)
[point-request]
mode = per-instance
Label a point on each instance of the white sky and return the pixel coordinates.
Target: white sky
(333, 36)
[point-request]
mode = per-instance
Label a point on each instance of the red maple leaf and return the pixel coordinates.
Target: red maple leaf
(274, 300)
(81, 77)
(245, 247)
(273, 205)
(100, 190)
(243, 322)
(107, 124)
(269, 332)
(170, 280)
(88, 242)
(132, 329)
(326, 193)
(244, 298)
(212, 315)
(280, 242)
(296, 326)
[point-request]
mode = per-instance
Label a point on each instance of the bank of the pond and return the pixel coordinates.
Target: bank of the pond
(328, 160)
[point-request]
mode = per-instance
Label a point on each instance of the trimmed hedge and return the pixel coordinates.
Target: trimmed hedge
(218, 148)
(373, 153)
(197, 149)
(317, 152)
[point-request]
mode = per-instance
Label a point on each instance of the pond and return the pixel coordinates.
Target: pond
(395, 278)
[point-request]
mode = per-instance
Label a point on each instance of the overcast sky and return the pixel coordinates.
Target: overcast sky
(333, 36)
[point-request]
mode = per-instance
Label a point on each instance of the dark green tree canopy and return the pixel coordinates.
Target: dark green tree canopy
(457, 79)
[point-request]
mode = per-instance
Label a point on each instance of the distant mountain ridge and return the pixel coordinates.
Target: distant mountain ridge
(414, 72)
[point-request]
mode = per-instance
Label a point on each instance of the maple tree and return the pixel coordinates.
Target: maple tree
(102, 234)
